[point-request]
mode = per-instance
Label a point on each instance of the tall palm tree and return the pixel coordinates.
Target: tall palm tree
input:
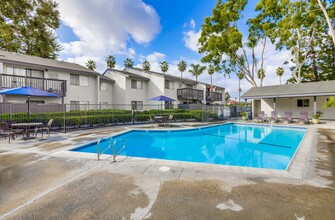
(110, 61)
(196, 70)
(280, 73)
(128, 63)
(90, 64)
(211, 71)
(261, 75)
(240, 76)
(182, 67)
(164, 67)
(146, 65)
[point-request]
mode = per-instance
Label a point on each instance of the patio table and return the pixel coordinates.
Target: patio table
(27, 126)
(161, 119)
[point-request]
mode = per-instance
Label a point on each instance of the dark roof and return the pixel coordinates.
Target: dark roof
(128, 74)
(322, 88)
(107, 78)
(176, 78)
(32, 61)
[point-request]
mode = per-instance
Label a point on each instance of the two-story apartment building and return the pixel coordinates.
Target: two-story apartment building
(136, 86)
(72, 82)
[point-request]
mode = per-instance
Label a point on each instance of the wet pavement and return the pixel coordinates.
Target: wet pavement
(40, 180)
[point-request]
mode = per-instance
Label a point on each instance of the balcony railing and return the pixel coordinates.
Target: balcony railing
(190, 94)
(213, 96)
(55, 86)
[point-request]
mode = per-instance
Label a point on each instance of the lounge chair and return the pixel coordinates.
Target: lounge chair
(261, 117)
(7, 131)
(287, 118)
(170, 119)
(274, 117)
(46, 128)
(303, 118)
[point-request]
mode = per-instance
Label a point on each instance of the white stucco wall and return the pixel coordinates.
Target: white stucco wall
(290, 104)
(107, 96)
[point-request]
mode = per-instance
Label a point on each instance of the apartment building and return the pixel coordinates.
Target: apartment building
(72, 82)
(136, 86)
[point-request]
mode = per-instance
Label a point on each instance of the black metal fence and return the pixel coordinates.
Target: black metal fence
(81, 116)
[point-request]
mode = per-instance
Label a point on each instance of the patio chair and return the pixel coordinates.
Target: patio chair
(46, 128)
(303, 118)
(287, 118)
(261, 117)
(274, 117)
(170, 119)
(7, 131)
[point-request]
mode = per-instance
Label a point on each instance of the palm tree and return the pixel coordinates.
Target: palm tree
(90, 64)
(182, 67)
(211, 71)
(280, 73)
(261, 75)
(110, 61)
(128, 63)
(240, 76)
(196, 70)
(330, 103)
(146, 65)
(164, 67)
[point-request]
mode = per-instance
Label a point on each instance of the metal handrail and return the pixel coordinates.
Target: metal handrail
(109, 146)
(114, 148)
(98, 148)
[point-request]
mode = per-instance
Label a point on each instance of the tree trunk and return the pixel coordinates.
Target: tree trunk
(331, 29)
(211, 80)
(279, 80)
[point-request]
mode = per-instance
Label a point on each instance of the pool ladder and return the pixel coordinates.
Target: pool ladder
(113, 146)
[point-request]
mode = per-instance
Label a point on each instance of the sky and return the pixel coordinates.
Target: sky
(153, 30)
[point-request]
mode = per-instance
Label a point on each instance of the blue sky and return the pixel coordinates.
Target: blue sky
(155, 30)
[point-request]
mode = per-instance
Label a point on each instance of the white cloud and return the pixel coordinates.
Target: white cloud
(192, 36)
(106, 26)
(191, 39)
(192, 24)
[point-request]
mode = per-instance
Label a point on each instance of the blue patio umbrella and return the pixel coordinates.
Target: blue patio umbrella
(162, 98)
(27, 91)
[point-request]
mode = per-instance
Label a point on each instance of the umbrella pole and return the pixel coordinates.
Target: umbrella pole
(28, 107)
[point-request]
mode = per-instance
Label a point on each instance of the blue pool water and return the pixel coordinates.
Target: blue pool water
(260, 146)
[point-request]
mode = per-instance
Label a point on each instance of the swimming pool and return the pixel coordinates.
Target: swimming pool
(262, 146)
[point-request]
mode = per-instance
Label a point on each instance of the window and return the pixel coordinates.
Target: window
(74, 105)
(16, 71)
(303, 103)
(103, 86)
(136, 84)
(83, 80)
(189, 86)
(74, 80)
(136, 105)
(35, 101)
(35, 73)
(53, 75)
(169, 84)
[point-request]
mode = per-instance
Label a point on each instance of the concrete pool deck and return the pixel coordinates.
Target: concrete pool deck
(40, 179)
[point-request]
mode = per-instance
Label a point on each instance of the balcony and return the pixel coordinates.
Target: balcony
(213, 96)
(55, 86)
(190, 94)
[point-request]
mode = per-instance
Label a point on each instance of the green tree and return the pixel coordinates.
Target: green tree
(110, 61)
(221, 37)
(330, 23)
(28, 27)
(211, 71)
(196, 70)
(280, 73)
(182, 67)
(90, 64)
(128, 63)
(240, 76)
(226, 97)
(164, 67)
(261, 75)
(146, 65)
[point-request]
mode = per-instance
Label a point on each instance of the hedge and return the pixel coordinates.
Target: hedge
(104, 117)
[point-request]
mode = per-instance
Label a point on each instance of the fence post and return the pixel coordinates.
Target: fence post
(64, 117)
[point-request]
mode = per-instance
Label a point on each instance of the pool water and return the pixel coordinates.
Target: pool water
(262, 146)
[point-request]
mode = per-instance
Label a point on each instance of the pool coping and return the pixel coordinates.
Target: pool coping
(295, 168)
